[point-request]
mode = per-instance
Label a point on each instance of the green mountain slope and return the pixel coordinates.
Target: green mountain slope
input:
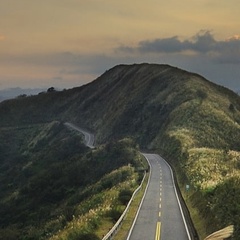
(48, 176)
(194, 123)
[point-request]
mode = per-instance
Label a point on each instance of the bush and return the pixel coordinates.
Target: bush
(9, 233)
(115, 213)
(75, 235)
(124, 196)
(80, 234)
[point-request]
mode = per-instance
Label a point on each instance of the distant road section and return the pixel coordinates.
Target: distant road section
(160, 216)
(89, 138)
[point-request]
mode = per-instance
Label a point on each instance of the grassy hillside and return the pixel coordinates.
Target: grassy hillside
(192, 122)
(50, 181)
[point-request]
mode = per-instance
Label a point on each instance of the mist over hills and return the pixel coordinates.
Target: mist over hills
(192, 122)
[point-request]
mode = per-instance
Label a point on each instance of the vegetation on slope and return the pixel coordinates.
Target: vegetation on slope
(50, 181)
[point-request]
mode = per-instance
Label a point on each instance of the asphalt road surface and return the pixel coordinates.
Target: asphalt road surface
(88, 137)
(160, 216)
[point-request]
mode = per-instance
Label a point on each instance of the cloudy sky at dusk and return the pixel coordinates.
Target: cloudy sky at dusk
(66, 43)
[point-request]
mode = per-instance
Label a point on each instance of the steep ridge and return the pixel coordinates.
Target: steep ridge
(191, 121)
(146, 101)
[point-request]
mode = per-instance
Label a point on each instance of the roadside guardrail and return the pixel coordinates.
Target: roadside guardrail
(117, 225)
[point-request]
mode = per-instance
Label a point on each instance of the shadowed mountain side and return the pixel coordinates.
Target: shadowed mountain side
(50, 181)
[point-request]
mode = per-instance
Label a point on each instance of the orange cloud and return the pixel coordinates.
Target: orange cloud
(233, 38)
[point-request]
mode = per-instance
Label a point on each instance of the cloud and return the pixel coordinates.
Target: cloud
(202, 53)
(233, 38)
(204, 43)
(166, 45)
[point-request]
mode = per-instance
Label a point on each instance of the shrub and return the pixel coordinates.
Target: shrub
(115, 213)
(80, 234)
(124, 196)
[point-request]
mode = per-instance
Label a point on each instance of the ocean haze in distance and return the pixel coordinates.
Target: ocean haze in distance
(10, 93)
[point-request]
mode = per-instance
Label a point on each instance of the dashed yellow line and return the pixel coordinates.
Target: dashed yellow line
(158, 231)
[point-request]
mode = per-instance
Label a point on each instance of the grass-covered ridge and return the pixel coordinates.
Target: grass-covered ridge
(192, 122)
(50, 181)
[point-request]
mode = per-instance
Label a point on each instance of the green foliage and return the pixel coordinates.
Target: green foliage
(9, 233)
(50, 174)
(224, 202)
(124, 196)
(100, 206)
(115, 213)
(79, 234)
(220, 205)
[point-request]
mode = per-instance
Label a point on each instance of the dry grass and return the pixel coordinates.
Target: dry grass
(221, 234)
(127, 223)
(207, 167)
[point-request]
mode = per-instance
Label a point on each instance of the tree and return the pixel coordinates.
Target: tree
(51, 89)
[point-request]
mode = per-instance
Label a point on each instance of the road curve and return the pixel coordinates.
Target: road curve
(88, 137)
(160, 215)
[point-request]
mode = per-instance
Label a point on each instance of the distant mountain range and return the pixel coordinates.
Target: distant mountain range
(10, 93)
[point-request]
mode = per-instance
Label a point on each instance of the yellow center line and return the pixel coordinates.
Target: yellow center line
(158, 231)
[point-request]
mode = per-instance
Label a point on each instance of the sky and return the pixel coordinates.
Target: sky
(67, 43)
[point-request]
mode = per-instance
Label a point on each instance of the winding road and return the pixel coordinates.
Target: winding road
(160, 215)
(88, 137)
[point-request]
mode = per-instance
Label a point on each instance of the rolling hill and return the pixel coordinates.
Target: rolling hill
(192, 122)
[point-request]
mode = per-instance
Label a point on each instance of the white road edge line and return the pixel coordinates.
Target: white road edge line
(179, 204)
(139, 208)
